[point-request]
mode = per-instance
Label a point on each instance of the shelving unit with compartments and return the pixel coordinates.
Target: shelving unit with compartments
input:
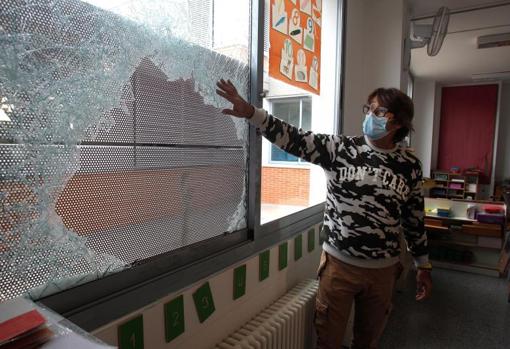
(450, 185)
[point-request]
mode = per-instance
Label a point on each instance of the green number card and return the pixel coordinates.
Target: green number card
(298, 247)
(282, 256)
(174, 318)
(131, 334)
(204, 302)
(264, 265)
(239, 281)
(311, 239)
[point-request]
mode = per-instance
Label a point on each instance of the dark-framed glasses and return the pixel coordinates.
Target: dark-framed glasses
(377, 111)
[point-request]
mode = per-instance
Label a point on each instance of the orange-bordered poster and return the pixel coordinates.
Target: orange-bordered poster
(295, 42)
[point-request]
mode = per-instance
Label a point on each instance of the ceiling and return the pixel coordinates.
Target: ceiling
(429, 7)
(459, 57)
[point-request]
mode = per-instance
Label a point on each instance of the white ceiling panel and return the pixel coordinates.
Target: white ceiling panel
(459, 57)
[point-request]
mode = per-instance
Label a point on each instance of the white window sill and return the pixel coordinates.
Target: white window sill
(302, 166)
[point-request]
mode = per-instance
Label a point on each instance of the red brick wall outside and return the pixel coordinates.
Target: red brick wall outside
(285, 186)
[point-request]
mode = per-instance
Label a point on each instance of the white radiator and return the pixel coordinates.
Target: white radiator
(285, 324)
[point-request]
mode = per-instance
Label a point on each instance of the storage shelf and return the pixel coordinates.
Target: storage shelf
(464, 185)
(460, 243)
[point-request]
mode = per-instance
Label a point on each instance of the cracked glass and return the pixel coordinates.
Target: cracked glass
(113, 148)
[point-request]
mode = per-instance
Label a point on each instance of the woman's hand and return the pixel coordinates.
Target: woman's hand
(424, 285)
(240, 108)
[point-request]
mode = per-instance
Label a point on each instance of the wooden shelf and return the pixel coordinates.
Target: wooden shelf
(442, 188)
(483, 229)
(436, 228)
(471, 268)
(460, 243)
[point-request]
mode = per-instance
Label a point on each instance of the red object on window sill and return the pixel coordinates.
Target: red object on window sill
(20, 324)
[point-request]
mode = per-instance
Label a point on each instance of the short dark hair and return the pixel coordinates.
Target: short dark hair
(398, 103)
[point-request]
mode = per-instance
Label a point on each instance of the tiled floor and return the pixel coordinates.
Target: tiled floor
(466, 311)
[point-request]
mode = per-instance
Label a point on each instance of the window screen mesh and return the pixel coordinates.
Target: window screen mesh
(113, 148)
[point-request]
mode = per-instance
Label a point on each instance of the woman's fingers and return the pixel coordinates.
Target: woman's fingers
(232, 86)
(231, 112)
(227, 90)
(227, 86)
(224, 95)
(223, 86)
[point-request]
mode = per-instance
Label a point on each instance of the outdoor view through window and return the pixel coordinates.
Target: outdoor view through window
(289, 184)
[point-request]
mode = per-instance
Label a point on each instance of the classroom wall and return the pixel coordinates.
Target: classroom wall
(422, 138)
(230, 314)
(502, 158)
(324, 105)
(436, 126)
(427, 100)
(373, 57)
(354, 90)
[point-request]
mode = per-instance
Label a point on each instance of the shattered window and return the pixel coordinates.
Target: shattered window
(113, 148)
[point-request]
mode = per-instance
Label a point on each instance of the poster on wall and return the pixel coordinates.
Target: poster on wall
(295, 43)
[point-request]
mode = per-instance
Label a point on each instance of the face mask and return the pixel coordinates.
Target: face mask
(374, 127)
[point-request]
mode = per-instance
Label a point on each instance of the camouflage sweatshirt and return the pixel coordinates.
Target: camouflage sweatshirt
(373, 194)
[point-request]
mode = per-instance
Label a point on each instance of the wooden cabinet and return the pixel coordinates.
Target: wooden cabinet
(464, 244)
(483, 229)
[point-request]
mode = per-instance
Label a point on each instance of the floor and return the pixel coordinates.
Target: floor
(466, 311)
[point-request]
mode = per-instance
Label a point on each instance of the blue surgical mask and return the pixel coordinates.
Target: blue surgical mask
(374, 127)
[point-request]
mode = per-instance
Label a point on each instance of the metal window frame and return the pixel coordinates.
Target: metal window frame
(298, 98)
(102, 301)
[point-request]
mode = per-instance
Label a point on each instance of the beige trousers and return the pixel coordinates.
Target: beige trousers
(342, 284)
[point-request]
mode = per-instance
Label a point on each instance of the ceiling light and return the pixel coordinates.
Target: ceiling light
(499, 75)
(494, 40)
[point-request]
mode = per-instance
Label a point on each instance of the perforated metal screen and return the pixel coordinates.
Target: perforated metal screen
(115, 149)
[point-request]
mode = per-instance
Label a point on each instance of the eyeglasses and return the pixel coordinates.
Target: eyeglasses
(377, 111)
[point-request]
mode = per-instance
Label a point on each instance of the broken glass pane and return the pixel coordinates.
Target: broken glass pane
(112, 145)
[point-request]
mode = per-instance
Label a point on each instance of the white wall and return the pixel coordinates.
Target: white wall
(384, 22)
(230, 314)
(424, 106)
(503, 152)
(324, 105)
(355, 93)
(374, 54)
(437, 124)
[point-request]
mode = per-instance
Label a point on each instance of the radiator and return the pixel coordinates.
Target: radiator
(285, 324)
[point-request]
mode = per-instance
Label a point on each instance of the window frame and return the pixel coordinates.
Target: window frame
(97, 303)
(299, 163)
